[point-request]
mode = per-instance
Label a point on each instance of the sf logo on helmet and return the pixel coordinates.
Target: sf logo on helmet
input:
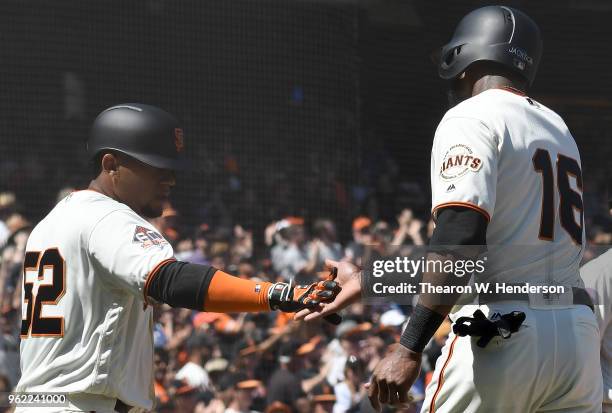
(178, 139)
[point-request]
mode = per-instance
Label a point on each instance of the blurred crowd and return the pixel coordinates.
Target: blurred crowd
(211, 362)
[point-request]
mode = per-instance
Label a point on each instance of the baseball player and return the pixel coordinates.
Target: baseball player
(94, 265)
(505, 173)
(597, 277)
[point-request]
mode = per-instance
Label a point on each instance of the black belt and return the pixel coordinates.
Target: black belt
(121, 407)
(580, 297)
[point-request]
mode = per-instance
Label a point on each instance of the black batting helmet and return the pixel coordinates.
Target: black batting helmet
(145, 132)
(497, 34)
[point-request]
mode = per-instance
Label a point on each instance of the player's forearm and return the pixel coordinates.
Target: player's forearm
(460, 234)
(204, 288)
(431, 309)
(441, 281)
(227, 293)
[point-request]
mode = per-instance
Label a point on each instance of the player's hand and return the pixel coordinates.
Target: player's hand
(393, 377)
(349, 278)
(290, 298)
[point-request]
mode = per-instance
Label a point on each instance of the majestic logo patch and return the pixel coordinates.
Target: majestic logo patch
(458, 161)
(147, 237)
(178, 139)
(451, 188)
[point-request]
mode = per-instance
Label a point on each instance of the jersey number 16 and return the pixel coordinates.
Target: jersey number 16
(569, 200)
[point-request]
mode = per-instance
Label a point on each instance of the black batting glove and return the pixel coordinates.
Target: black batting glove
(290, 298)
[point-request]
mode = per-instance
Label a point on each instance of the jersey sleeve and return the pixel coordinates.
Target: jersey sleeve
(464, 162)
(127, 251)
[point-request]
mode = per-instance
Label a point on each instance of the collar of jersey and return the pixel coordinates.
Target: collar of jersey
(512, 90)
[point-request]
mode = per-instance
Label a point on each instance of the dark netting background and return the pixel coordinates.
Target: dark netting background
(310, 108)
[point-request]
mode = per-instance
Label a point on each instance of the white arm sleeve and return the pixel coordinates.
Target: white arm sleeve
(125, 249)
(464, 161)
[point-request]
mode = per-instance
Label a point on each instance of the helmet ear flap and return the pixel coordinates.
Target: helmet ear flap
(449, 58)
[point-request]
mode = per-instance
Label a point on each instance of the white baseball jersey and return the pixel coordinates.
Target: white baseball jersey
(85, 328)
(597, 276)
(515, 161)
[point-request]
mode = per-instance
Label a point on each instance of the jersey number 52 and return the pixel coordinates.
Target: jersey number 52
(569, 200)
(34, 325)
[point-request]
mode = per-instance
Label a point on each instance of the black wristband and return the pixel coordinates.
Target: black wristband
(421, 328)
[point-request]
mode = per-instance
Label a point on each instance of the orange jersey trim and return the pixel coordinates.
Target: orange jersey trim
(513, 90)
(152, 275)
(432, 406)
(461, 204)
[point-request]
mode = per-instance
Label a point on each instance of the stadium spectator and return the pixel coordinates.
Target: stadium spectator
(409, 229)
(361, 237)
(160, 383)
(185, 397)
(324, 246)
(192, 372)
(290, 254)
(284, 385)
(278, 407)
(324, 403)
(244, 395)
(5, 387)
(7, 203)
(9, 351)
(350, 391)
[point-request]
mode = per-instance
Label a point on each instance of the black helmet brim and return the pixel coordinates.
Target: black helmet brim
(181, 163)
